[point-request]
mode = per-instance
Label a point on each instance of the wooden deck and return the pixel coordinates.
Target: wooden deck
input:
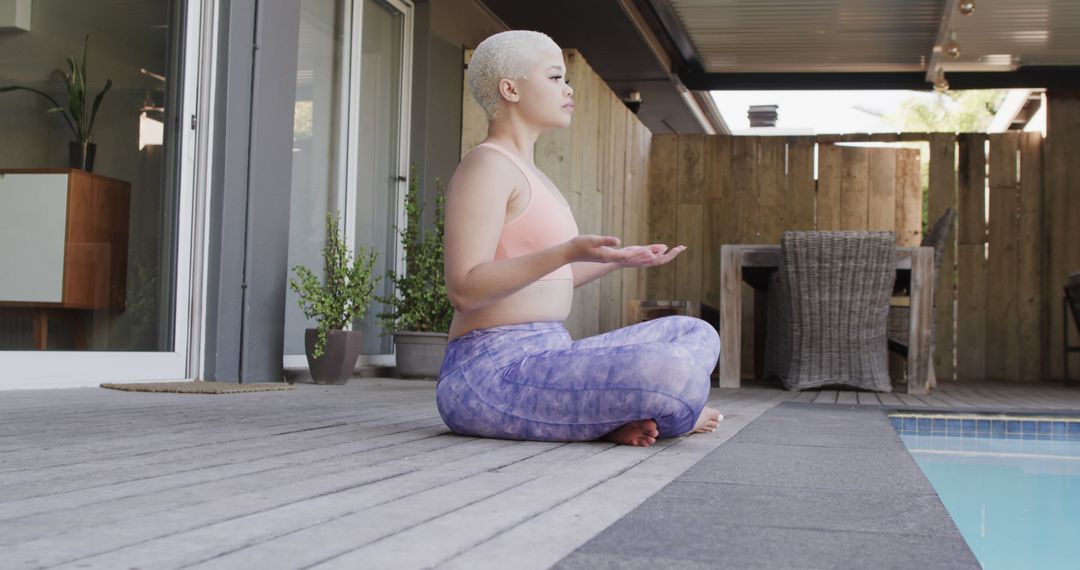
(950, 395)
(364, 475)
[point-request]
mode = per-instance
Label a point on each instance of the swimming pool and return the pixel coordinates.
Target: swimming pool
(1011, 484)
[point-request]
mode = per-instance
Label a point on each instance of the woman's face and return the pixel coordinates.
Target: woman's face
(546, 98)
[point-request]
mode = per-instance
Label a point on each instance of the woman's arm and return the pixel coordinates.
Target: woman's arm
(476, 202)
(585, 272)
(636, 256)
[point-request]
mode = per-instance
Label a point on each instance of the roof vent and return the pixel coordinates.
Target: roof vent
(763, 115)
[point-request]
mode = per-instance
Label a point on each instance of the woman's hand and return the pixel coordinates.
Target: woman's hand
(605, 249)
(649, 255)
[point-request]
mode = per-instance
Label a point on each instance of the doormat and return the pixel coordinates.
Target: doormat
(200, 387)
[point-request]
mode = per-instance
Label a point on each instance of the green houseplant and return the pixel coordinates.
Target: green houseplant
(419, 312)
(78, 116)
(340, 298)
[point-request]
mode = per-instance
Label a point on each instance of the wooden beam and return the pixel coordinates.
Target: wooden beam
(942, 36)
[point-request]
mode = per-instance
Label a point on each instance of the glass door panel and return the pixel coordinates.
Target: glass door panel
(88, 238)
(379, 177)
(347, 138)
(319, 143)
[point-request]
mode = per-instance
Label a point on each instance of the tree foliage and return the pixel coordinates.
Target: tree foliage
(420, 302)
(347, 288)
(952, 112)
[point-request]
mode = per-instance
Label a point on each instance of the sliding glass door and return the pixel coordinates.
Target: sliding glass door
(95, 225)
(349, 137)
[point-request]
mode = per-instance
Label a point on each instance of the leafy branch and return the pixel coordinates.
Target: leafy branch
(420, 302)
(347, 288)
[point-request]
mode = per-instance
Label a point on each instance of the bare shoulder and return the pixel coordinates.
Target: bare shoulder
(487, 174)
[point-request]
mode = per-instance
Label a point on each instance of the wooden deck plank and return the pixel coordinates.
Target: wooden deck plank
(889, 400)
(227, 480)
(566, 524)
(75, 477)
(116, 437)
(118, 445)
(444, 537)
(868, 399)
(908, 399)
(397, 480)
(826, 397)
(806, 396)
(307, 500)
(846, 397)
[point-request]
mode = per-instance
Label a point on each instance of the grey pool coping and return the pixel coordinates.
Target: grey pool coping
(803, 486)
(1006, 410)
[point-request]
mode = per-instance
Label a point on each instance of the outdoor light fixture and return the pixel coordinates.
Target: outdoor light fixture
(953, 48)
(941, 85)
(966, 7)
(633, 101)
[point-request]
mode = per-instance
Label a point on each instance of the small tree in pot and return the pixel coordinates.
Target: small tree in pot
(343, 296)
(420, 310)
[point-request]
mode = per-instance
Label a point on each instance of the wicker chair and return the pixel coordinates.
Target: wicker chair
(900, 309)
(827, 310)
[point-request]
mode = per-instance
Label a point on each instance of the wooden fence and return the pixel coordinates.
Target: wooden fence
(998, 295)
(601, 165)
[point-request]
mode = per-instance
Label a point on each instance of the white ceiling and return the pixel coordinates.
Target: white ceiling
(876, 35)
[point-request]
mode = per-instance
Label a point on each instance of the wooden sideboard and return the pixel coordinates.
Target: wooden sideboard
(63, 243)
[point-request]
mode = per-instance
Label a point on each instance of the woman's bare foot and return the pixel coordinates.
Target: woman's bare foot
(708, 420)
(641, 433)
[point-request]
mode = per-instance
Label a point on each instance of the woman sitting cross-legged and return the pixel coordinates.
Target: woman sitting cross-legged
(513, 259)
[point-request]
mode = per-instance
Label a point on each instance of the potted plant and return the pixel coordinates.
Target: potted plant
(343, 296)
(78, 116)
(419, 312)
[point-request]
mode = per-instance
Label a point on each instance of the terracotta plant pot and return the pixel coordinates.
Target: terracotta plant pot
(419, 354)
(339, 356)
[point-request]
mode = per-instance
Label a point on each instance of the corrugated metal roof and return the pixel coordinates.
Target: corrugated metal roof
(876, 35)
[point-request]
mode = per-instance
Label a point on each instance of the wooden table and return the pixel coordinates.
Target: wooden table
(754, 263)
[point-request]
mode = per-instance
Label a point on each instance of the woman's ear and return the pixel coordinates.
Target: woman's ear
(508, 90)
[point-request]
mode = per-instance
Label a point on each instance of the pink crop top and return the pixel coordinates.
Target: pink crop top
(545, 222)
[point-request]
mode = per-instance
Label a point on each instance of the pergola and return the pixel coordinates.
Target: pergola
(672, 52)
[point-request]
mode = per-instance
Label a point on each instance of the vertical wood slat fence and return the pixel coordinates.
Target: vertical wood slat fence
(993, 307)
(1061, 222)
(601, 166)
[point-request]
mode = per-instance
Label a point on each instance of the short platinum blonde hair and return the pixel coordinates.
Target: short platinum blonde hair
(508, 55)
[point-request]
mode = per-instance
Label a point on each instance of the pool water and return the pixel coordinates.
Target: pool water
(1015, 496)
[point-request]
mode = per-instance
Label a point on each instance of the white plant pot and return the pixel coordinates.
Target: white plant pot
(419, 354)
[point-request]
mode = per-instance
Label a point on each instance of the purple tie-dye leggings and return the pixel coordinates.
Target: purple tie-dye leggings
(531, 381)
